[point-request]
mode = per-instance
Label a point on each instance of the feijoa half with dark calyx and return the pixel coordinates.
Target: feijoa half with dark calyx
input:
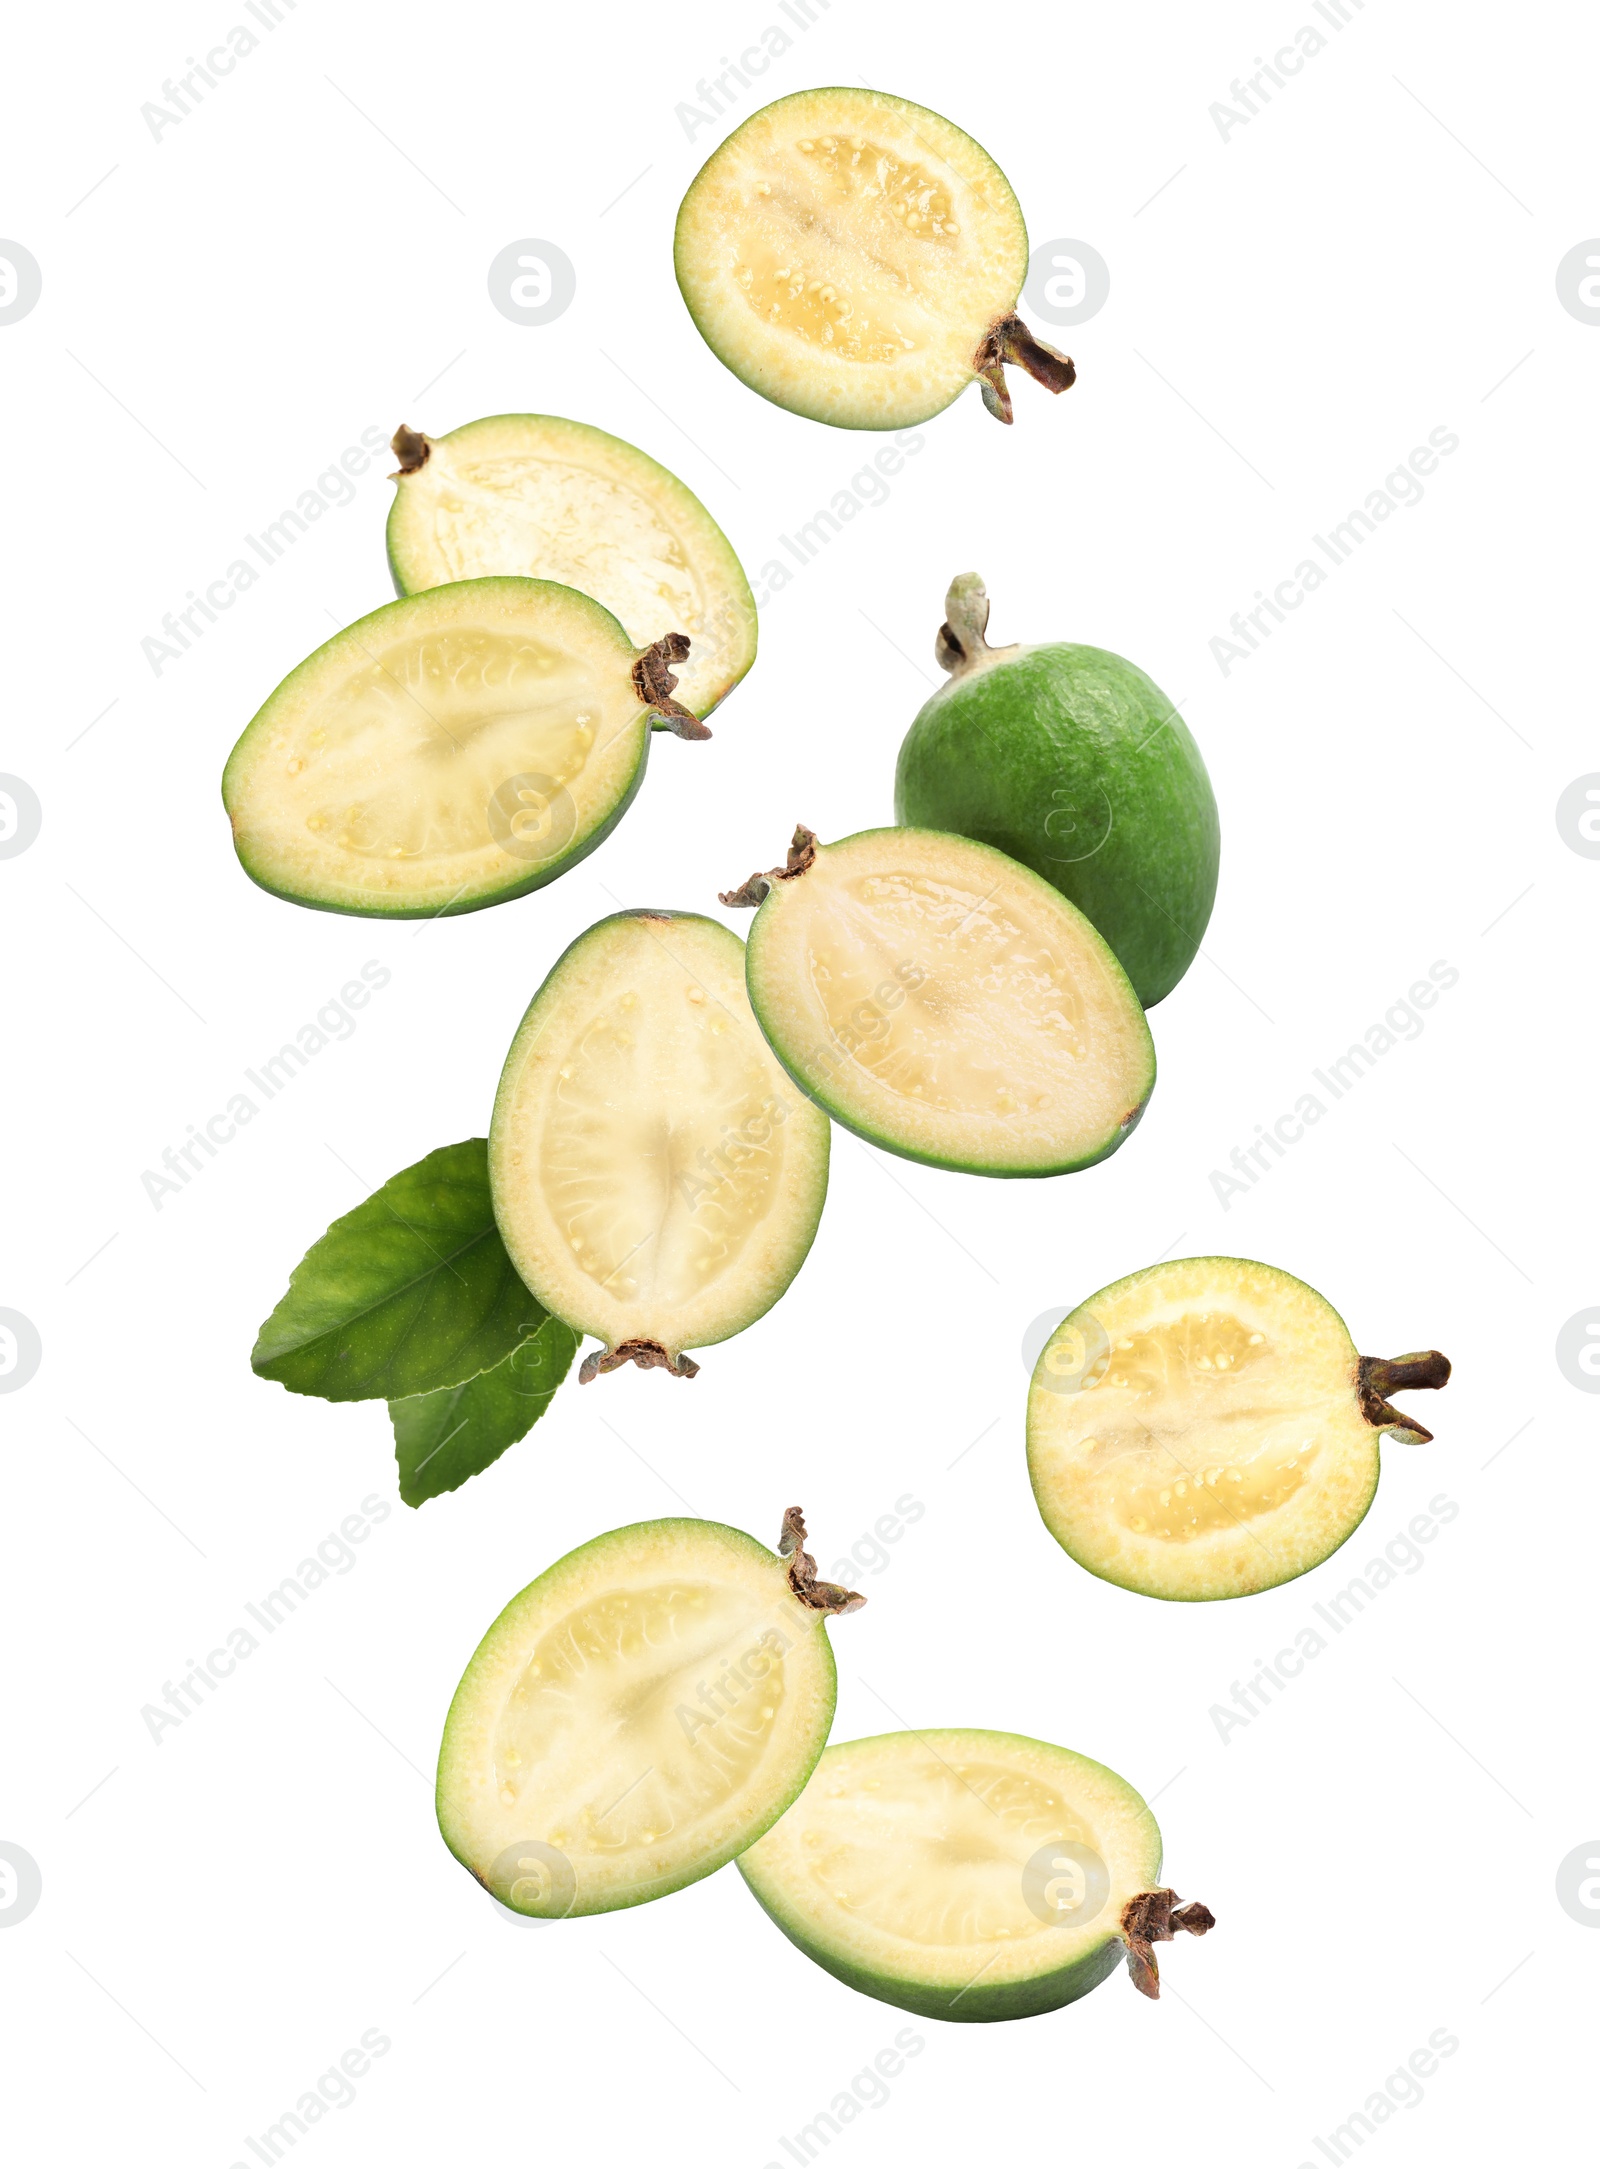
(942, 1001)
(856, 258)
(657, 1178)
(456, 748)
(639, 1715)
(556, 500)
(1205, 1428)
(1069, 759)
(969, 1875)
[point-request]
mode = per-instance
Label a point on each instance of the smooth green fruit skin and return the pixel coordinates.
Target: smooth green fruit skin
(1011, 1999)
(1072, 761)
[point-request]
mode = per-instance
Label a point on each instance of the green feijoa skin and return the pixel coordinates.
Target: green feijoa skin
(1070, 760)
(639, 1715)
(970, 1875)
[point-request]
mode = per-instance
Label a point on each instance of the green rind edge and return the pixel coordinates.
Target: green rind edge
(814, 1093)
(737, 578)
(668, 1885)
(1048, 1990)
(1165, 1596)
(478, 900)
(825, 90)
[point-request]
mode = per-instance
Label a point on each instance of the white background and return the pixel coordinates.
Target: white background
(1369, 258)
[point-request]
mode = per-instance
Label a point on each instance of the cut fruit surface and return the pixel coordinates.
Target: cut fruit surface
(1206, 1428)
(944, 1002)
(857, 259)
(657, 1178)
(556, 500)
(968, 1874)
(637, 1716)
(454, 749)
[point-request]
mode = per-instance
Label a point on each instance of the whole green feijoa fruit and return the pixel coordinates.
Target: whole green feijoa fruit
(1071, 760)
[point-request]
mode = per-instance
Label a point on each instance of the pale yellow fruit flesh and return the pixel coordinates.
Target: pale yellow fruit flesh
(376, 775)
(557, 500)
(940, 998)
(643, 1710)
(1214, 1444)
(656, 1174)
(909, 1856)
(847, 252)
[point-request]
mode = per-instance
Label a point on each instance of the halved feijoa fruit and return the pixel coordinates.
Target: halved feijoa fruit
(942, 1001)
(1206, 1428)
(557, 500)
(454, 749)
(1073, 761)
(657, 1179)
(969, 1875)
(857, 259)
(638, 1716)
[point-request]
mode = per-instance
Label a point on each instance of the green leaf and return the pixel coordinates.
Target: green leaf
(411, 1292)
(440, 1439)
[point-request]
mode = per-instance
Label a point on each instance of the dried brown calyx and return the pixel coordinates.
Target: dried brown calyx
(654, 682)
(1155, 1916)
(649, 1355)
(802, 856)
(1377, 1378)
(821, 1596)
(411, 448)
(1011, 341)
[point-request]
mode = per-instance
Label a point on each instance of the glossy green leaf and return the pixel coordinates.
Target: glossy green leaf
(440, 1439)
(411, 1292)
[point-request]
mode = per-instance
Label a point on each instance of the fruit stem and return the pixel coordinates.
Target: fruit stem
(821, 1596)
(802, 856)
(649, 1355)
(959, 645)
(1150, 1918)
(411, 448)
(1377, 1377)
(1010, 340)
(653, 681)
